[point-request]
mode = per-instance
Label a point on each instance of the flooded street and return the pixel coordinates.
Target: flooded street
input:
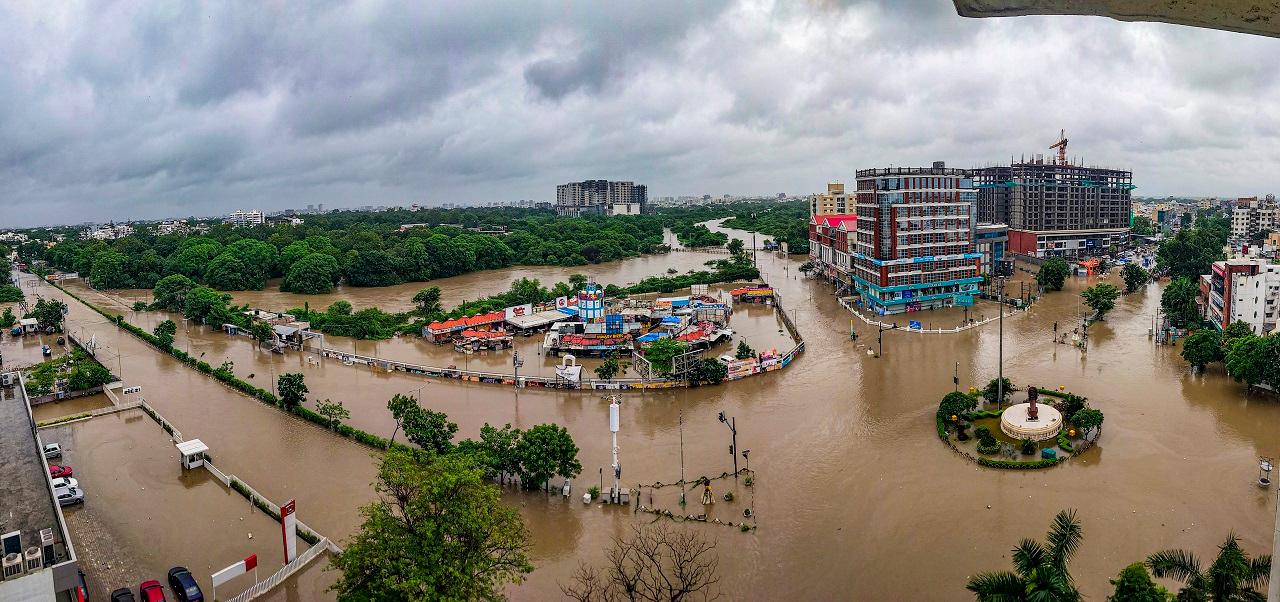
(852, 487)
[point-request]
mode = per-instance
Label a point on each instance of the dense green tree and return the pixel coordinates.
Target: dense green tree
(608, 369)
(496, 450)
(992, 391)
(10, 294)
(1179, 301)
(710, 371)
(1041, 572)
(1142, 226)
(437, 531)
(1255, 360)
(313, 274)
(1233, 576)
(110, 271)
(262, 332)
(744, 351)
(292, 388)
(1053, 274)
(292, 253)
(429, 429)
(545, 451)
(1202, 348)
(1135, 585)
(171, 292)
(449, 257)
(192, 259)
(1087, 420)
(339, 308)
(428, 301)
(400, 406)
(412, 262)
(372, 267)
(261, 258)
(1190, 253)
(1134, 276)
(1101, 298)
(164, 333)
(7, 319)
(86, 375)
(203, 302)
(49, 313)
(957, 404)
(227, 272)
(661, 352)
(1233, 331)
(735, 247)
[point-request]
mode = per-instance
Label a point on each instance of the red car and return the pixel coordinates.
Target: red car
(56, 471)
(151, 591)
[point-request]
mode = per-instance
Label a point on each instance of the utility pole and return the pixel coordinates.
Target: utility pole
(955, 379)
(753, 242)
(516, 362)
(1273, 585)
(615, 495)
(1000, 369)
(732, 423)
(681, 457)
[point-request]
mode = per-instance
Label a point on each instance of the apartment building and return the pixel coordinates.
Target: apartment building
(1242, 290)
(601, 197)
(1252, 215)
(244, 218)
(833, 202)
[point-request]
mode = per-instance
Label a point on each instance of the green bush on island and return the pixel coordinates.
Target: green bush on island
(78, 371)
(1053, 274)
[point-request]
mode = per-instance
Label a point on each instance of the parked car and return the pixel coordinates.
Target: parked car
(123, 594)
(64, 482)
(56, 471)
(69, 496)
(184, 585)
(52, 450)
(151, 591)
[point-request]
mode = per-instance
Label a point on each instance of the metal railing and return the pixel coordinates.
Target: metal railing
(285, 572)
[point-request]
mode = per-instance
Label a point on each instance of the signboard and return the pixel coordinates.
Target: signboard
(519, 310)
(289, 530)
(915, 325)
(562, 302)
(129, 390)
(250, 563)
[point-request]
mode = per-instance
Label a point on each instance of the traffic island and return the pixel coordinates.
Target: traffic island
(1024, 436)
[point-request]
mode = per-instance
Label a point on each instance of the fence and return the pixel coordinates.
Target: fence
(844, 302)
(285, 572)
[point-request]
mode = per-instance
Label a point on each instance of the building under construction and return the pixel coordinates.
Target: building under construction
(1055, 207)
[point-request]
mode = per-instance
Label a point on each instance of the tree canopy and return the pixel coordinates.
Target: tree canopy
(1179, 301)
(1101, 298)
(1053, 274)
(1135, 276)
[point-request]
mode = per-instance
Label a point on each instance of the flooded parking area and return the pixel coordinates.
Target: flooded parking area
(143, 514)
(57, 409)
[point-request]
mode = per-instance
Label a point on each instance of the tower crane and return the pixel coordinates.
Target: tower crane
(1061, 145)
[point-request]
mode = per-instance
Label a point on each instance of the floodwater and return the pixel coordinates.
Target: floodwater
(854, 496)
(57, 409)
(143, 514)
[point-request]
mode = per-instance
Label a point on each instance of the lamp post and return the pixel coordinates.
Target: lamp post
(732, 423)
(880, 336)
(516, 362)
(1000, 363)
(681, 419)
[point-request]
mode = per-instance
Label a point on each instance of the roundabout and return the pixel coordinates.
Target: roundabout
(1030, 420)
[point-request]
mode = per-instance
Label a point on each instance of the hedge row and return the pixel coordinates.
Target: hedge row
(993, 463)
(63, 419)
(262, 504)
(1058, 394)
(231, 380)
(976, 414)
(1065, 443)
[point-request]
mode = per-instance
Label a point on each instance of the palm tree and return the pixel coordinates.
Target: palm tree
(1233, 576)
(1040, 570)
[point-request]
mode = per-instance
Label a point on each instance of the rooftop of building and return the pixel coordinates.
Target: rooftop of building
(835, 220)
(28, 504)
(911, 171)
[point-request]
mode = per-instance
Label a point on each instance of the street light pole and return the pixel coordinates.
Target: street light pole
(516, 362)
(1000, 368)
(681, 418)
(732, 423)
(880, 336)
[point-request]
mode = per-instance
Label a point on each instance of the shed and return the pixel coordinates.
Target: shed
(29, 325)
(193, 453)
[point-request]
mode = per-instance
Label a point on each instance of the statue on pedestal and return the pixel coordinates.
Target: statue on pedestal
(1033, 413)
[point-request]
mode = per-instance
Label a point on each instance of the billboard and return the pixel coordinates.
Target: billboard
(289, 530)
(519, 310)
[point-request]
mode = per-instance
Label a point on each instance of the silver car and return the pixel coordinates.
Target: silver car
(69, 496)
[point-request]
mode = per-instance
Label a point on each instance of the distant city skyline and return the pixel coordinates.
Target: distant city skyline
(123, 111)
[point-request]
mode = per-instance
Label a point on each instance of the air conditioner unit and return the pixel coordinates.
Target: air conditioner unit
(34, 558)
(7, 379)
(12, 565)
(46, 542)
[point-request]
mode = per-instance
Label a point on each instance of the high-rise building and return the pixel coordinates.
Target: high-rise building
(1242, 290)
(601, 197)
(914, 245)
(833, 202)
(1252, 216)
(1055, 208)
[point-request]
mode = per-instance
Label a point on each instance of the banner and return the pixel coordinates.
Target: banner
(289, 529)
(519, 310)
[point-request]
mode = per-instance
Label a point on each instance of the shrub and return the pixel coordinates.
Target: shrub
(728, 496)
(1032, 465)
(1028, 447)
(1065, 443)
(989, 447)
(594, 492)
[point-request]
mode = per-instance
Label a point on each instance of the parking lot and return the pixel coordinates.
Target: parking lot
(143, 514)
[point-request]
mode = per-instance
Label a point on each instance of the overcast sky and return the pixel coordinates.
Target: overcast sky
(127, 111)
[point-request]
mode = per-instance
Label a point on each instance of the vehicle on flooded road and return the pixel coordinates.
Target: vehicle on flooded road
(184, 585)
(151, 591)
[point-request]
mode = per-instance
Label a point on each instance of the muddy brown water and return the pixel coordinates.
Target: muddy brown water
(58, 409)
(855, 498)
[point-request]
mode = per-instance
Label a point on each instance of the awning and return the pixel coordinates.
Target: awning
(541, 318)
(285, 331)
(192, 447)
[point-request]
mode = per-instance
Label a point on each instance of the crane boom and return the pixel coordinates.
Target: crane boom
(1061, 145)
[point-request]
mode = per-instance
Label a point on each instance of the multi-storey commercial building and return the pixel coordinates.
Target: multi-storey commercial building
(1252, 215)
(601, 197)
(244, 218)
(1242, 290)
(990, 241)
(833, 202)
(1056, 208)
(829, 246)
(914, 241)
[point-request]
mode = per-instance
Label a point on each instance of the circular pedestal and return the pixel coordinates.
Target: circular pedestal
(1014, 422)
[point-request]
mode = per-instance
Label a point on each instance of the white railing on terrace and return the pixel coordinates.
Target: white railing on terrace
(285, 572)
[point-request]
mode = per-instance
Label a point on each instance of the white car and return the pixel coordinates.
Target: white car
(65, 482)
(69, 496)
(52, 450)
